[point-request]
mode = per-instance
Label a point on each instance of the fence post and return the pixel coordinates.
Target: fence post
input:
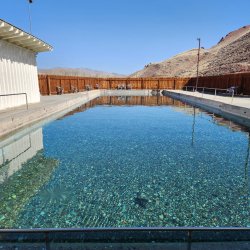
(215, 92)
(142, 83)
(77, 84)
(48, 85)
(84, 86)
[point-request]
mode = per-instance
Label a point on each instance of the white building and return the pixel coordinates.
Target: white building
(18, 69)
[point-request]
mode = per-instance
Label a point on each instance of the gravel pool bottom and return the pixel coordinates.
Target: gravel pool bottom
(124, 166)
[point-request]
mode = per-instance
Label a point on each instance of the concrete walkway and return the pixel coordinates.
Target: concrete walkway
(19, 117)
(14, 119)
(235, 101)
(236, 109)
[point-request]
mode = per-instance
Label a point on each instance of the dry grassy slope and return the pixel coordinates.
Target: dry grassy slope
(230, 55)
(77, 72)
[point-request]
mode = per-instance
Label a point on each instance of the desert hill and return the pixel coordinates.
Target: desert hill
(230, 55)
(77, 72)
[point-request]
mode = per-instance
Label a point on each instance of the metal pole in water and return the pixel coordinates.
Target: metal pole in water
(193, 127)
(198, 61)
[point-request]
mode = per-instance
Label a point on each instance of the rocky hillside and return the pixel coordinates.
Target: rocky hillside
(230, 55)
(77, 72)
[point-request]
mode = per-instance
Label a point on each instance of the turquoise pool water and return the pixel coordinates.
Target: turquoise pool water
(116, 166)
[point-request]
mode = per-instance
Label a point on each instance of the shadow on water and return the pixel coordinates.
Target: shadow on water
(140, 201)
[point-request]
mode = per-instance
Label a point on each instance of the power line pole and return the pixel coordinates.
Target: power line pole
(30, 2)
(198, 61)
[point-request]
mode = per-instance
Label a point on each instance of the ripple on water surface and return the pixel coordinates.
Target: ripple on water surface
(133, 166)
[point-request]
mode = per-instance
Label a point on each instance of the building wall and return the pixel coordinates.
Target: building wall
(18, 74)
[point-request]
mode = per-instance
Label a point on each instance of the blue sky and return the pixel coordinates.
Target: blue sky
(122, 36)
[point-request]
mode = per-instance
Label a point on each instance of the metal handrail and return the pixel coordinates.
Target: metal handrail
(203, 88)
(26, 97)
(215, 90)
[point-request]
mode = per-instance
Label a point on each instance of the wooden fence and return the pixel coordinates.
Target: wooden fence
(49, 83)
(240, 80)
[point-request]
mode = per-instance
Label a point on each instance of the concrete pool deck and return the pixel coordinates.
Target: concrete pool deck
(14, 119)
(236, 108)
(235, 101)
(19, 117)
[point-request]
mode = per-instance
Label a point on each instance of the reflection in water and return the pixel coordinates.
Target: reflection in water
(247, 156)
(23, 171)
(247, 184)
(193, 127)
(158, 100)
(13, 155)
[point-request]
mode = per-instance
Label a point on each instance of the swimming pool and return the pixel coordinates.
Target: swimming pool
(127, 162)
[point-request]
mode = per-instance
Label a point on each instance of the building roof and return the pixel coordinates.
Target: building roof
(12, 34)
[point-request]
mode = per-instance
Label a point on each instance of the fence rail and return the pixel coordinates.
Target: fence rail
(184, 235)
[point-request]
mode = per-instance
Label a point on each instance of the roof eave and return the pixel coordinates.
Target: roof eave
(16, 36)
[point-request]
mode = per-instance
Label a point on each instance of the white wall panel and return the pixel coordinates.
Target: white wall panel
(18, 74)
